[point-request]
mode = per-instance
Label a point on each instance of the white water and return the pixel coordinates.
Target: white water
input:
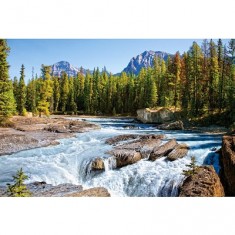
(69, 162)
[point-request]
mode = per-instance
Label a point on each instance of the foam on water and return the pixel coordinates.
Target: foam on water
(70, 162)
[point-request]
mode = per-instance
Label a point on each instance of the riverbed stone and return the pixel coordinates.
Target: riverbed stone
(97, 164)
(179, 151)
(163, 150)
(177, 125)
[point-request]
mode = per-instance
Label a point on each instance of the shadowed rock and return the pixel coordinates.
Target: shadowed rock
(180, 151)
(177, 125)
(204, 183)
(163, 150)
(228, 164)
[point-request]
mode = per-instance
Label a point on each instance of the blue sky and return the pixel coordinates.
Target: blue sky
(115, 54)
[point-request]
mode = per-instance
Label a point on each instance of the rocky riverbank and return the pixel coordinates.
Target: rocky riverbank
(42, 189)
(28, 133)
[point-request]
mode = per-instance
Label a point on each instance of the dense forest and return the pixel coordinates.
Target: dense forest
(199, 82)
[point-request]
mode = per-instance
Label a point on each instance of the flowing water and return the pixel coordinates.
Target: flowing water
(70, 162)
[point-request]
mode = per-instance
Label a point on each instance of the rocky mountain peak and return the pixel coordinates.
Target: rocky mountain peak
(144, 60)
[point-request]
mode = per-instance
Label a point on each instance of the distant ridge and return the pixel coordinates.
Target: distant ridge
(72, 71)
(144, 60)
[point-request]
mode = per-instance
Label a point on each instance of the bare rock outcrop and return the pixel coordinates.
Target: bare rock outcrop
(204, 183)
(92, 192)
(163, 150)
(228, 165)
(159, 116)
(179, 151)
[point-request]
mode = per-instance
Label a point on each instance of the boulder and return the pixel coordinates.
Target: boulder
(92, 192)
(159, 116)
(177, 125)
(179, 151)
(163, 150)
(125, 157)
(116, 139)
(144, 146)
(228, 165)
(97, 164)
(204, 183)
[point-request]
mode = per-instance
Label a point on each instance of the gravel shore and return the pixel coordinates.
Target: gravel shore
(29, 133)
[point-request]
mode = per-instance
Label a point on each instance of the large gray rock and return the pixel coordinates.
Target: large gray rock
(155, 116)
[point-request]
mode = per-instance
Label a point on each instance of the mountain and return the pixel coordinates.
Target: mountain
(144, 60)
(63, 66)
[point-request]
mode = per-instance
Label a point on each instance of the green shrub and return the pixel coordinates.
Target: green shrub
(18, 189)
(5, 122)
(192, 168)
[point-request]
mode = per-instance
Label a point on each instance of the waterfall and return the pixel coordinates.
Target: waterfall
(71, 161)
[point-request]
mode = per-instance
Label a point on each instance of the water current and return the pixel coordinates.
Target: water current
(70, 161)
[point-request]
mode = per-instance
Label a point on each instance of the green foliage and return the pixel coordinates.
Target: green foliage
(192, 167)
(7, 101)
(18, 189)
(5, 122)
(200, 83)
(21, 97)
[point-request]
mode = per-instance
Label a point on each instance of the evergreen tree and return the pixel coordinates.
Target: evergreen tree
(213, 78)
(56, 93)
(45, 91)
(177, 72)
(31, 97)
(18, 189)
(21, 99)
(7, 101)
(64, 91)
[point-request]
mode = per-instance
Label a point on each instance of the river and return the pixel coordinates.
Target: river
(69, 161)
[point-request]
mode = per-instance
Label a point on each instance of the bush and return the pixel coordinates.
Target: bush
(18, 189)
(5, 122)
(192, 168)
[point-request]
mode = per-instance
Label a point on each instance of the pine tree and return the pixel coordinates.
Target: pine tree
(56, 93)
(18, 189)
(31, 97)
(213, 78)
(64, 91)
(21, 99)
(231, 83)
(177, 72)
(45, 91)
(7, 101)
(192, 167)
(71, 105)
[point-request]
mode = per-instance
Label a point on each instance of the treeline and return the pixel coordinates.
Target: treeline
(201, 81)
